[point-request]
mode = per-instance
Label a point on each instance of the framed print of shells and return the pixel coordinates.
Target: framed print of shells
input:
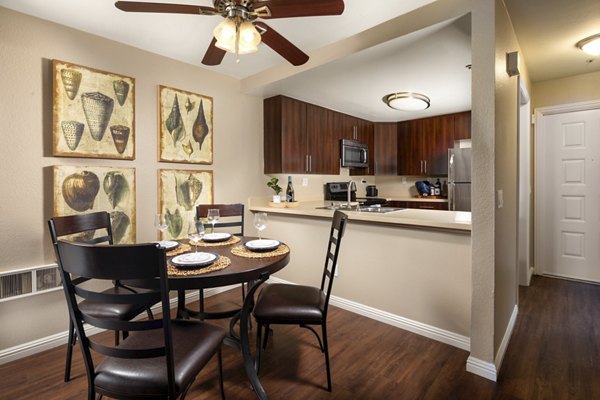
(93, 113)
(186, 126)
(81, 190)
(180, 191)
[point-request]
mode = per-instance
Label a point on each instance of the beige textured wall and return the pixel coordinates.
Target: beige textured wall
(27, 45)
(573, 89)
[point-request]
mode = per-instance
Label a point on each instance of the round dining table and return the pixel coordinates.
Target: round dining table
(243, 269)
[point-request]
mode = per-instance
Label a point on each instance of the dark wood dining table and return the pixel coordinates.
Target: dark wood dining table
(254, 271)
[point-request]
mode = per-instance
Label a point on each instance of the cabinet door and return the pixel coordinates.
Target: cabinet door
(462, 125)
(322, 141)
(293, 136)
(422, 205)
(385, 148)
(439, 140)
(364, 134)
(410, 148)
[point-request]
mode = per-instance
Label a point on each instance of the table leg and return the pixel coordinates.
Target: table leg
(181, 311)
(245, 342)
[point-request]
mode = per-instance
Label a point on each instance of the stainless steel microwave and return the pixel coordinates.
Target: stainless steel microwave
(354, 154)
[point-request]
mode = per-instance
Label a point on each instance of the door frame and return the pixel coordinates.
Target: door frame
(540, 113)
(524, 205)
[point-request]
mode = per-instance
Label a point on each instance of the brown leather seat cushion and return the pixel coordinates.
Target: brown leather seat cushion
(194, 343)
(291, 304)
(123, 312)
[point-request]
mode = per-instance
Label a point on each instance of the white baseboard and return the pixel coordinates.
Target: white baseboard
(506, 338)
(432, 332)
(59, 339)
(482, 368)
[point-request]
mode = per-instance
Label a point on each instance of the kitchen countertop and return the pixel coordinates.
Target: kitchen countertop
(406, 198)
(459, 221)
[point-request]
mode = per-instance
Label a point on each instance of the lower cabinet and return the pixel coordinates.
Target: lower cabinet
(424, 205)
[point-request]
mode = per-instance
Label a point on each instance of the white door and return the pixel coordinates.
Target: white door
(569, 171)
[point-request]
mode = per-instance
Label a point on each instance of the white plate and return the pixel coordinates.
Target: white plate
(194, 260)
(262, 245)
(216, 237)
(168, 244)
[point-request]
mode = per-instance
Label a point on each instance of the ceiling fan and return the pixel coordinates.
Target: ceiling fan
(241, 31)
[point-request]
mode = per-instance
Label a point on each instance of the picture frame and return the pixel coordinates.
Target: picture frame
(93, 113)
(185, 133)
(180, 191)
(81, 190)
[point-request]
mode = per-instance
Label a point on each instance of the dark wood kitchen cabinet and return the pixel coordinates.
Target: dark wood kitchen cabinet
(385, 148)
(299, 138)
(423, 205)
(358, 129)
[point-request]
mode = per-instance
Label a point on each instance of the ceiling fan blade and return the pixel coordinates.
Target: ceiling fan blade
(135, 6)
(213, 55)
(281, 45)
(297, 8)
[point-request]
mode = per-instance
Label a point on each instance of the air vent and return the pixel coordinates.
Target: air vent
(27, 282)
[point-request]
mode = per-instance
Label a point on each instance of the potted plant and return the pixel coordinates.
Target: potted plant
(274, 184)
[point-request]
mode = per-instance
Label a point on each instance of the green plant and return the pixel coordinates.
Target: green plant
(274, 184)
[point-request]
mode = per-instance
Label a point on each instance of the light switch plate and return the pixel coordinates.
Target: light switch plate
(304, 181)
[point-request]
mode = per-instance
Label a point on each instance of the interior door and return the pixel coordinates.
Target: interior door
(569, 218)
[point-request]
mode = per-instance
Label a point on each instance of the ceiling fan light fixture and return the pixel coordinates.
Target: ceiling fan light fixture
(226, 33)
(407, 101)
(590, 45)
(249, 38)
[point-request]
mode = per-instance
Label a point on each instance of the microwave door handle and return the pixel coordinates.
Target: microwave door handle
(363, 156)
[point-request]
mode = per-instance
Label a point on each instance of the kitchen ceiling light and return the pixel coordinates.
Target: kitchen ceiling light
(407, 101)
(590, 45)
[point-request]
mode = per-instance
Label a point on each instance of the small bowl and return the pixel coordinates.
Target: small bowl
(292, 204)
(276, 205)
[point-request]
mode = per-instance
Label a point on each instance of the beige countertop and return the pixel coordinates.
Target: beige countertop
(436, 219)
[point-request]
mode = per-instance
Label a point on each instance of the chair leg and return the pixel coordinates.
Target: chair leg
(70, 344)
(117, 333)
(326, 347)
(268, 332)
(258, 347)
(220, 356)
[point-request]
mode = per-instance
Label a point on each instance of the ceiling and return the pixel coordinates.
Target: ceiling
(431, 61)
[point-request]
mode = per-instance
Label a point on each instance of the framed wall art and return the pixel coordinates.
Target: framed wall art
(80, 190)
(93, 113)
(180, 191)
(186, 126)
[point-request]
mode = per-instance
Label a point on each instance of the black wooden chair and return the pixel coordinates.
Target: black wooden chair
(301, 305)
(231, 216)
(82, 228)
(160, 358)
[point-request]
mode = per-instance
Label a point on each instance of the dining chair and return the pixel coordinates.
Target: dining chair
(161, 357)
(234, 218)
(82, 228)
(301, 305)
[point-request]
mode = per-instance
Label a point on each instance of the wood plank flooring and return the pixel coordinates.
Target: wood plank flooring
(553, 354)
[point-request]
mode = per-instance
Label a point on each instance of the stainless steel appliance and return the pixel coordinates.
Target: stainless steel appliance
(354, 154)
(459, 179)
(338, 191)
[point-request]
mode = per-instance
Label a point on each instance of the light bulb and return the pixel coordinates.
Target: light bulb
(249, 38)
(225, 33)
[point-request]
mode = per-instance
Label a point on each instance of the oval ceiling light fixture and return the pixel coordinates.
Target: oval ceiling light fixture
(590, 45)
(407, 101)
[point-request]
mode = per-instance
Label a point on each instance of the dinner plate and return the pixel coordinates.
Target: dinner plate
(168, 244)
(262, 245)
(194, 260)
(216, 237)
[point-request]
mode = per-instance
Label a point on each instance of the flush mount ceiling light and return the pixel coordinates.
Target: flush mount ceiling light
(590, 45)
(407, 101)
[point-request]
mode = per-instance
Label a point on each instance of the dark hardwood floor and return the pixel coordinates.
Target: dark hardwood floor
(553, 354)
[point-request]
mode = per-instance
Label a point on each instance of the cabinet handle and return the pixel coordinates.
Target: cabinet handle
(425, 161)
(309, 163)
(427, 207)
(355, 133)
(421, 169)
(306, 164)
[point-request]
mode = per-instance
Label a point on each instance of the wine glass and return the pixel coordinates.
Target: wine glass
(196, 233)
(161, 223)
(213, 217)
(260, 222)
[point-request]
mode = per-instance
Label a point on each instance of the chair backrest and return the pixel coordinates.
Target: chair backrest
(85, 224)
(142, 265)
(234, 214)
(338, 226)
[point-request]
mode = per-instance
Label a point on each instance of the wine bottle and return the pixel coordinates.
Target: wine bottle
(289, 192)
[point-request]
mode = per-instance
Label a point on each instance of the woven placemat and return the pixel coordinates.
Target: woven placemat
(242, 251)
(222, 263)
(182, 248)
(231, 240)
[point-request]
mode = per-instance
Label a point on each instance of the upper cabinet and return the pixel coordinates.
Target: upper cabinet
(423, 143)
(299, 138)
(358, 129)
(385, 148)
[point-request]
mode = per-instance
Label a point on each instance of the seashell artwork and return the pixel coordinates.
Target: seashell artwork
(97, 108)
(200, 129)
(188, 191)
(187, 148)
(189, 105)
(120, 135)
(72, 131)
(116, 187)
(119, 222)
(174, 123)
(121, 90)
(71, 80)
(79, 190)
(175, 221)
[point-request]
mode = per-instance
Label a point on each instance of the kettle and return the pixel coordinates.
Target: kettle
(371, 190)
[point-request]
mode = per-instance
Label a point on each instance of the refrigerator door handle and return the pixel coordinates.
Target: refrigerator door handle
(451, 195)
(451, 167)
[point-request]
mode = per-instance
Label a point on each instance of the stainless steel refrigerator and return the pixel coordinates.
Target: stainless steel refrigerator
(459, 179)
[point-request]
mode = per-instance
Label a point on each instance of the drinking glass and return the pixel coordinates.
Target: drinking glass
(213, 217)
(196, 233)
(260, 222)
(160, 222)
